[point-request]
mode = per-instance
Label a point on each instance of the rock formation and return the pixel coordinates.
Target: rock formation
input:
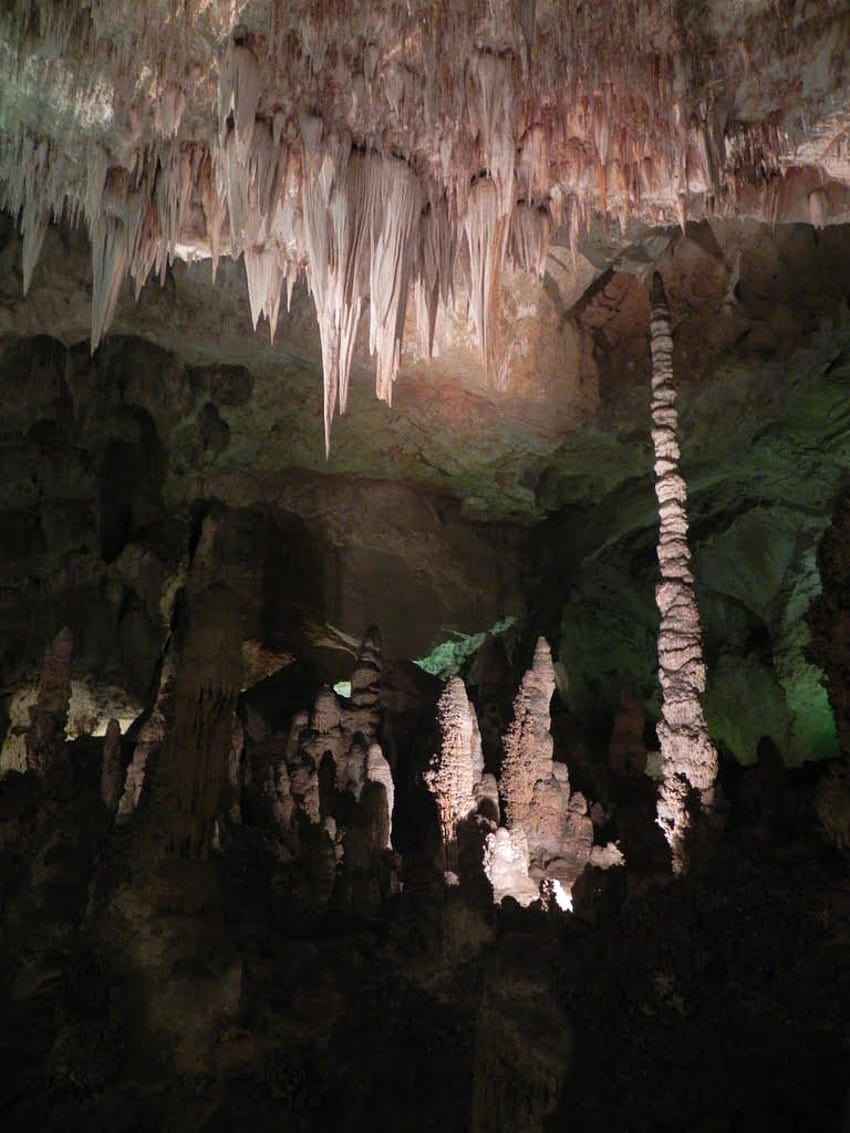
(506, 865)
(191, 768)
(245, 142)
(627, 749)
(45, 739)
(548, 838)
(528, 743)
(454, 777)
(364, 713)
(283, 927)
(829, 616)
(329, 794)
(688, 757)
(112, 770)
(150, 736)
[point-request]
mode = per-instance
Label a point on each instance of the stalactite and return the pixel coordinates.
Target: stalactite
(818, 207)
(486, 231)
(688, 757)
(325, 232)
(396, 205)
(450, 140)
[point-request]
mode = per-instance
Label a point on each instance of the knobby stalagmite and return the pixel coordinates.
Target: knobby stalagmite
(688, 757)
(457, 768)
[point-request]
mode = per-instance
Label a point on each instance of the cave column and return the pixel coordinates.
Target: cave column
(688, 757)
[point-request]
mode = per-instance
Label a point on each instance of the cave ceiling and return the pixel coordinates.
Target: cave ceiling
(448, 194)
(228, 225)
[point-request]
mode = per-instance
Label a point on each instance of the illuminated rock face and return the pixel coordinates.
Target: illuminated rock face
(456, 770)
(688, 757)
(439, 142)
(528, 743)
(548, 837)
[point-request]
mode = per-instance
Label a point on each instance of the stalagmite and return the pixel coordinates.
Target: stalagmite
(506, 864)
(688, 757)
(548, 830)
(365, 712)
(378, 771)
(192, 767)
(528, 743)
(45, 739)
(457, 768)
(150, 737)
(112, 769)
(234, 772)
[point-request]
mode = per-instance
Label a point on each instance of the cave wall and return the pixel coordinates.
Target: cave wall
(108, 465)
(762, 356)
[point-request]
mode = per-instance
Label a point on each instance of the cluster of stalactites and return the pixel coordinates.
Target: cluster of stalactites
(450, 141)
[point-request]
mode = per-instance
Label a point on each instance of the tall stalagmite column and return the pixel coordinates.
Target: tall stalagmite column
(688, 757)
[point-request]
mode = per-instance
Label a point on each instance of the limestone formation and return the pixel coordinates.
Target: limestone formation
(45, 739)
(452, 138)
(364, 713)
(548, 838)
(378, 771)
(150, 736)
(191, 769)
(688, 757)
(506, 864)
(277, 789)
(528, 743)
(112, 769)
(454, 777)
(331, 753)
(626, 749)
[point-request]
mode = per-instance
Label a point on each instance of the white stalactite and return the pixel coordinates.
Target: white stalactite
(688, 757)
(369, 168)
